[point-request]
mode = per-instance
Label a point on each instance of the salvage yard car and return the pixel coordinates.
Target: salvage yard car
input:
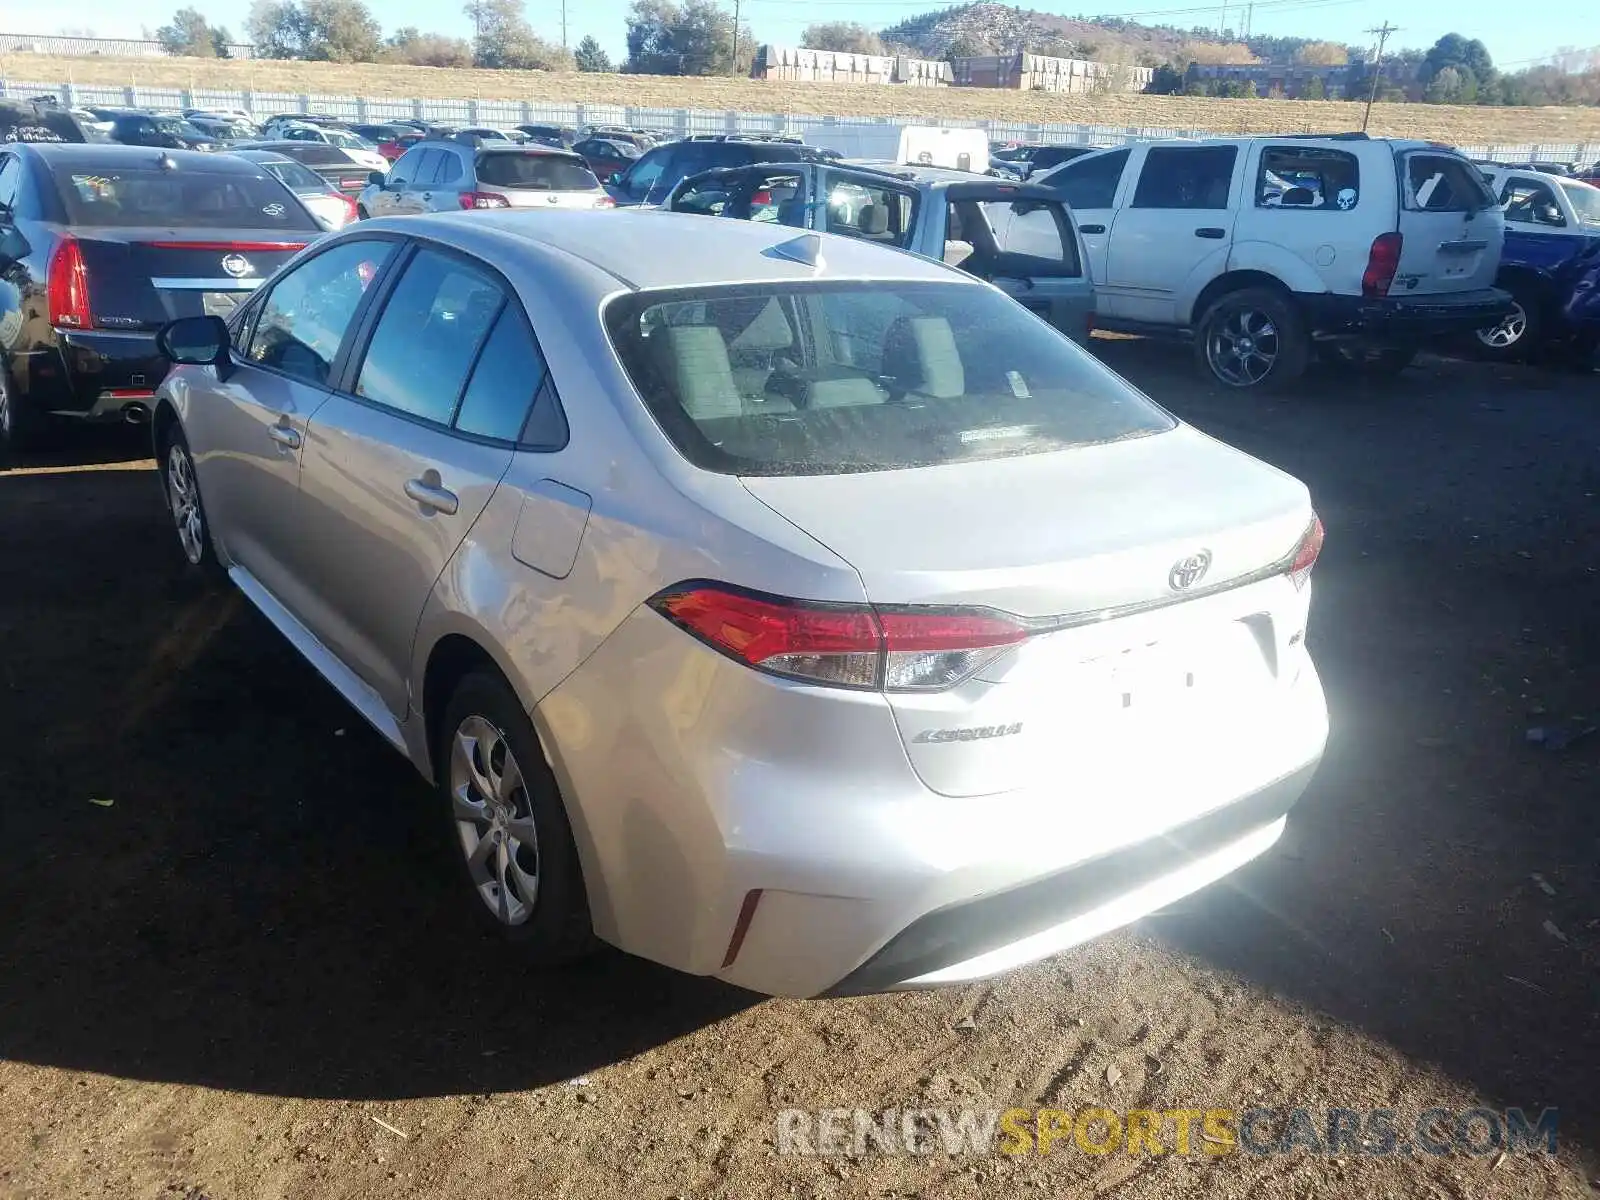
(100, 246)
(1266, 250)
(1551, 253)
(774, 605)
(1020, 239)
(443, 176)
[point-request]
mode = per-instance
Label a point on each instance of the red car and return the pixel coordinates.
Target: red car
(606, 156)
(393, 148)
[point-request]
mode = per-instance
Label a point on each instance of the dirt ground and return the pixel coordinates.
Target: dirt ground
(1459, 124)
(241, 976)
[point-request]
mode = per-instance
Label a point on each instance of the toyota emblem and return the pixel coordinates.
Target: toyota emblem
(237, 265)
(1187, 572)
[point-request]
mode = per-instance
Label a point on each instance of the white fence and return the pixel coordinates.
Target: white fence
(681, 121)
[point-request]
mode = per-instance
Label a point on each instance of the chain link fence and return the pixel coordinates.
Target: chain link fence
(680, 121)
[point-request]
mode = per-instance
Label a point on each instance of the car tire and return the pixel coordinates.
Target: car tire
(1517, 337)
(1366, 360)
(180, 485)
(1253, 340)
(507, 826)
(22, 430)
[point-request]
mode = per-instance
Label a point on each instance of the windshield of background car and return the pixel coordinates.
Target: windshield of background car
(204, 199)
(536, 172)
(298, 177)
(348, 141)
(820, 379)
(1585, 200)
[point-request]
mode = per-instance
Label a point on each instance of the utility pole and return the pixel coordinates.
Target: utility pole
(563, 24)
(1383, 32)
(735, 63)
(1222, 23)
(1249, 18)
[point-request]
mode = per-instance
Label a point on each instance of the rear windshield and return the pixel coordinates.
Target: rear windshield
(539, 172)
(820, 379)
(198, 199)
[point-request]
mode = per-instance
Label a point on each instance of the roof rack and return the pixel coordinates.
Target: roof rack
(1353, 136)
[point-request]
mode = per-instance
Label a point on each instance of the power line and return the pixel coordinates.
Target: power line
(1383, 32)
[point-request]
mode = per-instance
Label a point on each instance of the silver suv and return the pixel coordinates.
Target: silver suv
(774, 605)
(449, 175)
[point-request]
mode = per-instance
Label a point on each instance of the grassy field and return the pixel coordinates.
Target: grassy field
(1458, 124)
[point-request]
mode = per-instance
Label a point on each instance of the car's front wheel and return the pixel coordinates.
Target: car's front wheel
(1517, 334)
(181, 484)
(1253, 339)
(507, 826)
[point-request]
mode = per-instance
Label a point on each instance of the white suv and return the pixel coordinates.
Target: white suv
(1267, 248)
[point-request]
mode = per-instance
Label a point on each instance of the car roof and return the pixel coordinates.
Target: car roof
(650, 249)
(108, 154)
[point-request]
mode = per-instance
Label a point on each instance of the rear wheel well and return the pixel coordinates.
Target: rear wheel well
(1526, 282)
(1233, 281)
(454, 658)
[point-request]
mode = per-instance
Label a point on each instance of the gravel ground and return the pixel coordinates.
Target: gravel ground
(231, 968)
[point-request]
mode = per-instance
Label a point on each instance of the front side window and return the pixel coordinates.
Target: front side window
(308, 313)
(1186, 177)
(407, 165)
(1531, 202)
(1091, 183)
(1308, 178)
(645, 174)
(825, 378)
(872, 211)
(428, 336)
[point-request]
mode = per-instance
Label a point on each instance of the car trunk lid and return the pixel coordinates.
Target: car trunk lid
(140, 278)
(1152, 575)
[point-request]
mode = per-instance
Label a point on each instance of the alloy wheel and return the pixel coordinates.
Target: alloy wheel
(1511, 329)
(183, 494)
(6, 415)
(1243, 349)
(494, 820)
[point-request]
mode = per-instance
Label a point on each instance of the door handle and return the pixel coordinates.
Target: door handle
(1091, 228)
(285, 436)
(432, 496)
(1212, 232)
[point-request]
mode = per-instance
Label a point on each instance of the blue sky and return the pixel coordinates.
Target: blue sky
(1514, 34)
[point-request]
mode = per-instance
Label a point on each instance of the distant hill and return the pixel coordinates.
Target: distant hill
(985, 28)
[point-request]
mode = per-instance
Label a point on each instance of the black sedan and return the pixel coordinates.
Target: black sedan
(100, 246)
(168, 133)
(333, 164)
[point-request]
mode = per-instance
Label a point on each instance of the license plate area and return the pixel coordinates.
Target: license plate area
(1151, 678)
(221, 304)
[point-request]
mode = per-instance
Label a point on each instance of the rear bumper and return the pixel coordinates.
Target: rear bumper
(93, 374)
(777, 837)
(1407, 318)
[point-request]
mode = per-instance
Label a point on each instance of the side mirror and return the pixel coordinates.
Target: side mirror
(377, 179)
(194, 341)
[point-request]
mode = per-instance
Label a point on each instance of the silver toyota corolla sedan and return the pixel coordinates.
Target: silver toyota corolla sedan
(773, 605)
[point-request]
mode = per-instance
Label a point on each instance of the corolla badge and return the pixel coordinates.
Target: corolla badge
(1187, 572)
(237, 265)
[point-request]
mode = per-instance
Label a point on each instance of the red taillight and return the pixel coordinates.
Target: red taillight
(351, 211)
(1382, 263)
(231, 247)
(470, 200)
(1306, 554)
(605, 202)
(761, 198)
(843, 645)
(67, 286)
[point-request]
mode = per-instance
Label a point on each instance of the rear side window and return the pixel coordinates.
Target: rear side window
(186, 197)
(425, 342)
(1186, 177)
(826, 378)
(1444, 183)
(308, 312)
(1308, 178)
(870, 211)
(1091, 183)
(536, 172)
(511, 374)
